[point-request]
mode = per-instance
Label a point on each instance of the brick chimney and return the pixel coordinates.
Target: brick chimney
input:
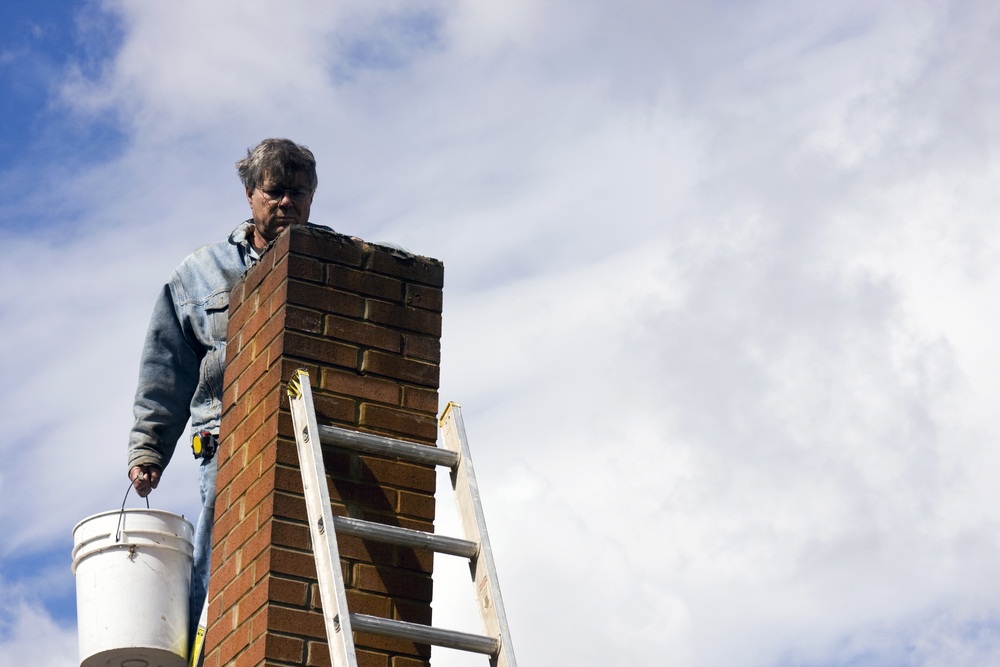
(365, 322)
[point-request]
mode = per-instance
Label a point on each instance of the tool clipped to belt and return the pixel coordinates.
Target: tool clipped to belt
(204, 445)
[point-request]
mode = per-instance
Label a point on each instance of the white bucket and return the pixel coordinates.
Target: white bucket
(133, 572)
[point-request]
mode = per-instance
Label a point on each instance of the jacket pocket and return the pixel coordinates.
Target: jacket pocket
(217, 314)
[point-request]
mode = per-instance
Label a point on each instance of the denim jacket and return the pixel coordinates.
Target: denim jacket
(184, 356)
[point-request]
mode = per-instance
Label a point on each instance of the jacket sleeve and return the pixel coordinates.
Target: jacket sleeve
(168, 376)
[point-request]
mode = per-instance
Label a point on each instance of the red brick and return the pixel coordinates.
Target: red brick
(418, 398)
(390, 645)
(325, 244)
(263, 438)
(233, 644)
(223, 571)
(421, 296)
(295, 563)
(256, 544)
(253, 655)
(339, 462)
(259, 622)
(211, 660)
(361, 602)
(288, 479)
(285, 453)
(334, 408)
(325, 299)
(370, 658)
(362, 333)
(394, 581)
(239, 309)
(269, 330)
(305, 268)
(284, 648)
(288, 591)
(236, 363)
(278, 249)
(403, 317)
(247, 476)
(354, 548)
(252, 280)
(286, 429)
(243, 531)
(217, 631)
(292, 535)
(405, 522)
(236, 589)
(320, 350)
(301, 319)
(258, 491)
(252, 602)
(419, 505)
(398, 368)
(418, 560)
(289, 506)
(411, 612)
(244, 429)
(406, 661)
(427, 348)
(414, 424)
(318, 655)
(361, 386)
(272, 283)
(234, 461)
(395, 473)
(295, 621)
(364, 282)
(412, 268)
(249, 375)
(259, 314)
(260, 393)
(357, 492)
(226, 520)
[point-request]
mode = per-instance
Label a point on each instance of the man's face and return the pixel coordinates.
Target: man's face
(277, 205)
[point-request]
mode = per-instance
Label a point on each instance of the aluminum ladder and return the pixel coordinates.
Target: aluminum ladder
(341, 622)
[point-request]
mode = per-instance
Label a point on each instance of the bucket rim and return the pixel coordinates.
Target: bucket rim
(132, 510)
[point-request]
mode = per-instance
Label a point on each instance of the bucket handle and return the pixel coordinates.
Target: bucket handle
(121, 515)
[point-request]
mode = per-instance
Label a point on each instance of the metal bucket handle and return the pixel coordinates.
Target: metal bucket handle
(121, 515)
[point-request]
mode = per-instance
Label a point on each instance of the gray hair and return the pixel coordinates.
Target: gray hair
(278, 158)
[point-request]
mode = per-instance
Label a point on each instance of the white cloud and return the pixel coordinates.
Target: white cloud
(720, 284)
(28, 636)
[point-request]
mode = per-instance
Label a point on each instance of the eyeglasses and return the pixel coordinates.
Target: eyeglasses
(275, 195)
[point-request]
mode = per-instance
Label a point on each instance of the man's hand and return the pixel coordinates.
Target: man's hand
(144, 478)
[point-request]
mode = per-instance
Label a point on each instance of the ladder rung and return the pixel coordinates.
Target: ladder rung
(425, 634)
(405, 537)
(383, 446)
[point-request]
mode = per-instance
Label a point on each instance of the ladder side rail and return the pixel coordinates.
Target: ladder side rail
(321, 523)
(370, 443)
(425, 634)
(470, 509)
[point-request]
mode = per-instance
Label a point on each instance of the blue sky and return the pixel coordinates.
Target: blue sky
(721, 285)
(42, 40)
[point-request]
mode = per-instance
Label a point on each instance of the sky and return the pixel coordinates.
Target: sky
(720, 296)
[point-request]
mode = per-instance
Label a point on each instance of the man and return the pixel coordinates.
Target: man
(184, 355)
